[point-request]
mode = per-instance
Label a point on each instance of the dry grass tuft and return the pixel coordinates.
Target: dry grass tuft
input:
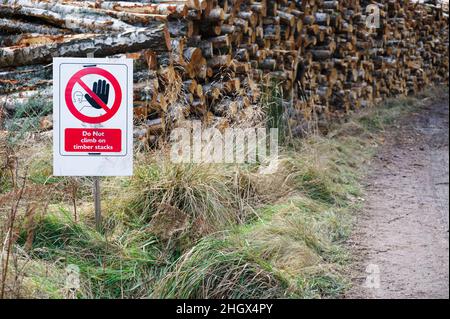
(210, 197)
(211, 270)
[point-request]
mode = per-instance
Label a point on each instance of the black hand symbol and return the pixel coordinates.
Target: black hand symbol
(101, 89)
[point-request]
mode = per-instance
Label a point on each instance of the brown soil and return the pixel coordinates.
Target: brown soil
(403, 230)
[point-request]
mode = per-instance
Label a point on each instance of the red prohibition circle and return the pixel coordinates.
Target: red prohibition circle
(76, 78)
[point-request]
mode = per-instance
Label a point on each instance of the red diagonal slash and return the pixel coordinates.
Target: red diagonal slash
(93, 95)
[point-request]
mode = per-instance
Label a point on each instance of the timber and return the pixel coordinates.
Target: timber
(209, 58)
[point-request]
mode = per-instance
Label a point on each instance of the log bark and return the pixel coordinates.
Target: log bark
(63, 16)
(18, 26)
(320, 53)
(156, 39)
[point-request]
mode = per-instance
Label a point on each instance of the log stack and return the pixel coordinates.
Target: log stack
(209, 59)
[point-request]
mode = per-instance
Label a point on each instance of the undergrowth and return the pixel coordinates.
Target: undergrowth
(199, 231)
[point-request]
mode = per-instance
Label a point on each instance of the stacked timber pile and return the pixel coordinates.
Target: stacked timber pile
(209, 58)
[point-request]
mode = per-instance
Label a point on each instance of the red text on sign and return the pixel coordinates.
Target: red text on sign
(93, 140)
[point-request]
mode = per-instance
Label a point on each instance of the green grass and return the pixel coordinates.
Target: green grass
(291, 252)
(297, 244)
(215, 269)
(212, 231)
(109, 268)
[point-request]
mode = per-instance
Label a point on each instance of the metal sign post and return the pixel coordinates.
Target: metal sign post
(96, 190)
(97, 203)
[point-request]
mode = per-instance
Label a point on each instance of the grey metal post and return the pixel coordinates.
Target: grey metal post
(97, 203)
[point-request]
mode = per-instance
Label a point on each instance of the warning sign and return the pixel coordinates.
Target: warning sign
(92, 140)
(92, 104)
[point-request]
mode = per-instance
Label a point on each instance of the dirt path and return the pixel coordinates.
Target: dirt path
(401, 239)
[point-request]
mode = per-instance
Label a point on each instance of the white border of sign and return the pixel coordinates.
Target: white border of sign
(102, 164)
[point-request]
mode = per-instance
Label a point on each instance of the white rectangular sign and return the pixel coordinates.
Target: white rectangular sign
(93, 117)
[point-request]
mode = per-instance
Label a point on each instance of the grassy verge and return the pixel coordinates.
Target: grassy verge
(201, 231)
(293, 248)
